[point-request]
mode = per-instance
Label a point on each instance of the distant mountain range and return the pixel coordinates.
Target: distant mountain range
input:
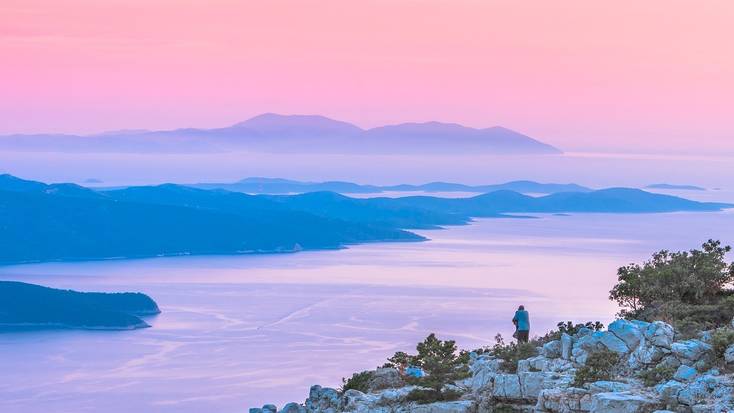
(676, 187)
(29, 306)
(43, 222)
(258, 185)
(293, 134)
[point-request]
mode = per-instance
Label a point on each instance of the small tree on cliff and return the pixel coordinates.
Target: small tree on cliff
(679, 287)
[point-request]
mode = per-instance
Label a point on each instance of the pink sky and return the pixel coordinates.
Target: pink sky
(622, 75)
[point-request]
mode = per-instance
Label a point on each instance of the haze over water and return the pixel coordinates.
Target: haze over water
(240, 331)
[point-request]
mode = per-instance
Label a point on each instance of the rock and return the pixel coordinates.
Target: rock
(659, 334)
(507, 387)
(703, 387)
(566, 346)
(685, 373)
(626, 331)
(269, 408)
(385, 378)
(623, 402)
(563, 400)
(552, 349)
(668, 391)
(255, 410)
(613, 343)
(293, 408)
(459, 406)
(690, 350)
(322, 400)
(729, 354)
(608, 386)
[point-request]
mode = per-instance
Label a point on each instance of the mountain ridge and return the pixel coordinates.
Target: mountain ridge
(271, 132)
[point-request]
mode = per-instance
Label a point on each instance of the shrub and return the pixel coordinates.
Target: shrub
(358, 381)
(721, 339)
(691, 277)
(569, 328)
(438, 359)
(512, 353)
(400, 358)
(657, 374)
(425, 396)
(599, 366)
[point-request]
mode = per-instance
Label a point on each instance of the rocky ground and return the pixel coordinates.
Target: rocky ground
(544, 383)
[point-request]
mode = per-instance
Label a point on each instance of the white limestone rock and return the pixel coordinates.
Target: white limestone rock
(459, 406)
(606, 386)
(622, 402)
(570, 400)
(690, 351)
(566, 346)
(552, 349)
(729, 354)
(685, 373)
(627, 331)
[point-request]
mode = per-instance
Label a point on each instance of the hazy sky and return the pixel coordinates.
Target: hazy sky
(621, 75)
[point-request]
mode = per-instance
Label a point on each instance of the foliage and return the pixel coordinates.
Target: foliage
(358, 381)
(400, 358)
(512, 353)
(657, 374)
(599, 366)
(438, 359)
(425, 396)
(568, 327)
(689, 289)
(721, 339)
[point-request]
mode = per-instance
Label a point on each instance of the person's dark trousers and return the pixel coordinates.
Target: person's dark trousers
(522, 336)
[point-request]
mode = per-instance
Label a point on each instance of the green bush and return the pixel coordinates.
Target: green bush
(425, 396)
(656, 375)
(599, 366)
(358, 381)
(721, 339)
(512, 353)
(568, 327)
(438, 359)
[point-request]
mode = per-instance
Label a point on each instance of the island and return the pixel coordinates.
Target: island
(61, 222)
(26, 306)
(676, 187)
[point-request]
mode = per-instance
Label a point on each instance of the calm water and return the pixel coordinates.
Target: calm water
(241, 331)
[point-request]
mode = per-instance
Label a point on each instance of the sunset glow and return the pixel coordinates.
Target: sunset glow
(581, 75)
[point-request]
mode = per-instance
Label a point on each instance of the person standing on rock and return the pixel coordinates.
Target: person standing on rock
(522, 324)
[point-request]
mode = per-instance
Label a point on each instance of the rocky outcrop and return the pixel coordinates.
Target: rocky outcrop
(544, 383)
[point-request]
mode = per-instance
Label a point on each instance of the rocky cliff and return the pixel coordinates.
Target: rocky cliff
(701, 379)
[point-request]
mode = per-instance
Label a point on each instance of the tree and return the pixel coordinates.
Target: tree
(676, 284)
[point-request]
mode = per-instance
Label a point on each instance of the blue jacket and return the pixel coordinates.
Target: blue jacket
(522, 318)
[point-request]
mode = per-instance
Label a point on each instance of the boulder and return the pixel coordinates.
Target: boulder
(552, 349)
(507, 387)
(566, 346)
(627, 331)
(563, 400)
(293, 408)
(605, 386)
(385, 378)
(322, 400)
(668, 391)
(622, 402)
(685, 373)
(255, 410)
(690, 350)
(459, 406)
(729, 354)
(269, 408)
(659, 334)
(613, 343)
